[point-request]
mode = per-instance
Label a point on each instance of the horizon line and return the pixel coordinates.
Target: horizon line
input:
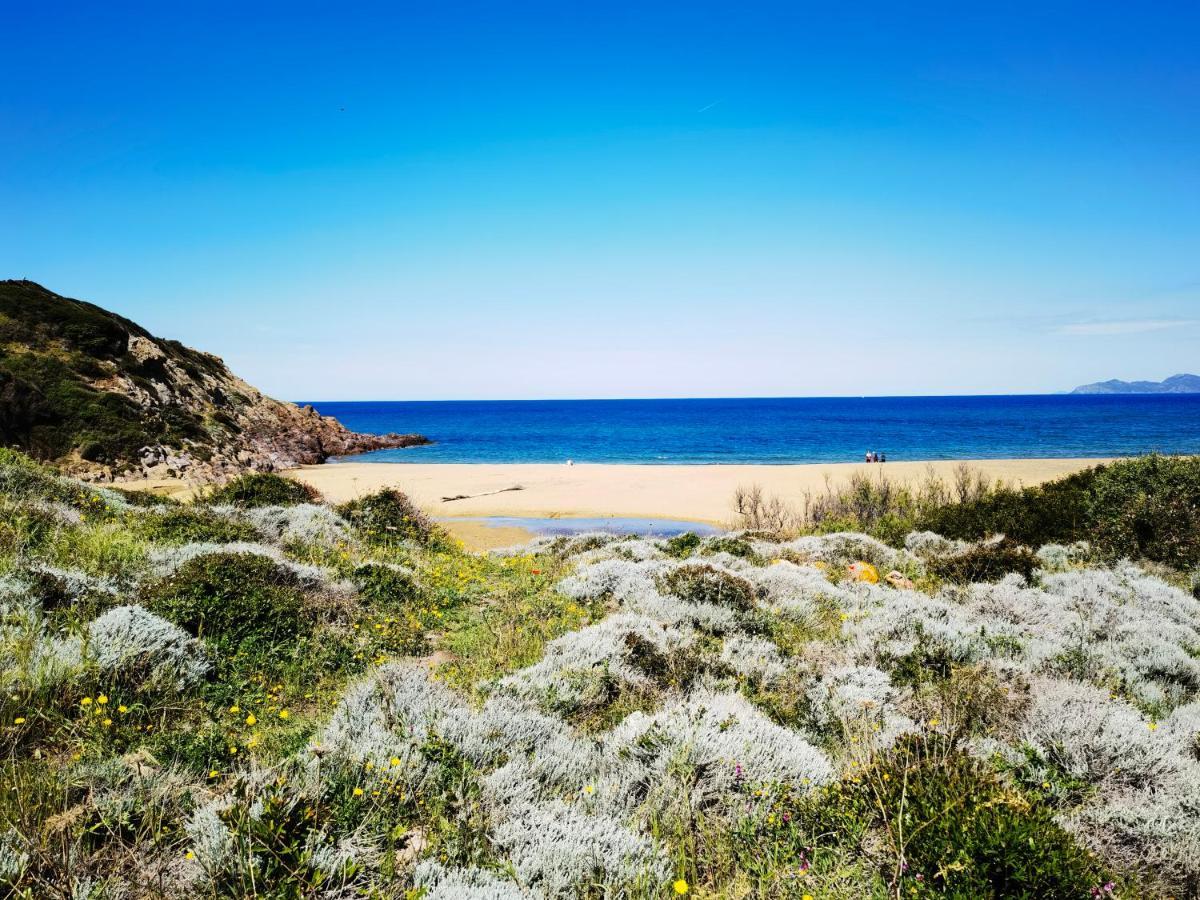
(751, 397)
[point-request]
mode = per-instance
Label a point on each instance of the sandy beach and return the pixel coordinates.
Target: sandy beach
(695, 493)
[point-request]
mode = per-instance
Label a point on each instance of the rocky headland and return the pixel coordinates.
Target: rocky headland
(105, 400)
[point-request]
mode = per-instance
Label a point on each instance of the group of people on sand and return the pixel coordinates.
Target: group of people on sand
(873, 456)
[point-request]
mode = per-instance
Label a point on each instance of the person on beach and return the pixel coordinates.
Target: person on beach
(883, 457)
(868, 456)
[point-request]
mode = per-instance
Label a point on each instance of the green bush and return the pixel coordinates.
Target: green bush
(232, 599)
(193, 524)
(1145, 508)
(708, 584)
(734, 546)
(263, 489)
(21, 478)
(24, 527)
(954, 829)
(682, 545)
(385, 585)
(389, 517)
(145, 499)
(988, 561)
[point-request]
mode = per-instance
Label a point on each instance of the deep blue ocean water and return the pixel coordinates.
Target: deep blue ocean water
(791, 430)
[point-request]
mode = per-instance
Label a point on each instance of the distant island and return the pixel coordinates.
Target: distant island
(105, 399)
(1176, 384)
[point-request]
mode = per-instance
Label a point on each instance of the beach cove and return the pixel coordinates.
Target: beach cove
(701, 494)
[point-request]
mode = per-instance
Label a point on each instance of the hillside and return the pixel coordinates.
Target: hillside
(258, 695)
(1176, 384)
(97, 393)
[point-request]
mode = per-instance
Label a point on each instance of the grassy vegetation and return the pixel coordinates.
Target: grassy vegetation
(1144, 508)
(259, 696)
(100, 775)
(262, 489)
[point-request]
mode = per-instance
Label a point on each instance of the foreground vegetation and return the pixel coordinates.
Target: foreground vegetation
(260, 695)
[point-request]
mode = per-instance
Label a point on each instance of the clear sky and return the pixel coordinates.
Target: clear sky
(453, 200)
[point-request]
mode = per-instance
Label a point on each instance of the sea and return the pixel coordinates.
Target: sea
(779, 430)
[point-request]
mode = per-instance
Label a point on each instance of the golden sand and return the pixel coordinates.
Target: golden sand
(694, 493)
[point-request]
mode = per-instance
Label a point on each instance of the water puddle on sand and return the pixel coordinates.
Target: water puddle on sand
(498, 531)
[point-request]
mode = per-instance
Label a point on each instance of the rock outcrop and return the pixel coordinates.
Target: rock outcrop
(105, 399)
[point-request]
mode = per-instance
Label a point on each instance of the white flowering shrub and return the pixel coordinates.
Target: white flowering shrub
(797, 592)
(1101, 625)
(859, 701)
(927, 545)
(754, 658)
(441, 883)
(555, 848)
(1145, 812)
(211, 840)
(884, 623)
(723, 738)
(622, 580)
(625, 650)
(843, 548)
(70, 586)
(305, 523)
(1082, 731)
(1061, 557)
(634, 586)
(32, 660)
(132, 643)
(1183, 725)
(386, 716)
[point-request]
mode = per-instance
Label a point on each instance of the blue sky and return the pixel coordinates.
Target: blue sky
(424, 201)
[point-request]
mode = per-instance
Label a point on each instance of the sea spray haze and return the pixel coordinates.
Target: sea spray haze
(751, 714)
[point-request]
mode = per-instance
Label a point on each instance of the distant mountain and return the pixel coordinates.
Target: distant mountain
(104, 398)
(1176, 384)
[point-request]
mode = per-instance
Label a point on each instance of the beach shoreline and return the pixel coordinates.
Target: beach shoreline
(698, 493)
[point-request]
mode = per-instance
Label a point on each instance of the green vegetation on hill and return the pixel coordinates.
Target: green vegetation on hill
(54, 352)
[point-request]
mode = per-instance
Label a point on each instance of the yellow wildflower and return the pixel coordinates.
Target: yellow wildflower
(189, 855)
(250, 719)
(395, 760)
(680, 886)
(358, 792)
(235, 708)
(102, 699)
(213, 773)
(19, 720)
(122, 708)
(86, 701)
(283, 714)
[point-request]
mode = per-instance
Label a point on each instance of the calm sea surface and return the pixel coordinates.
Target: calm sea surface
(792, 430)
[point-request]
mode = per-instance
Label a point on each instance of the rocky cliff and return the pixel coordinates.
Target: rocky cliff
(104, 398)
